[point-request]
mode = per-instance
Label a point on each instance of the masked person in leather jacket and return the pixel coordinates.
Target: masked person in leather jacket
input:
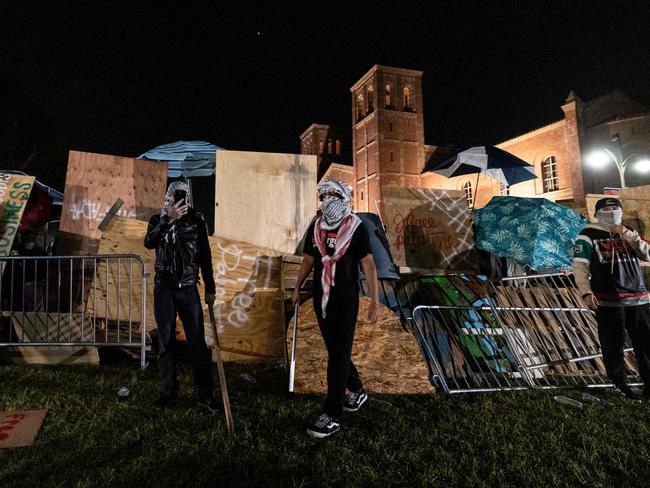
(179, 236)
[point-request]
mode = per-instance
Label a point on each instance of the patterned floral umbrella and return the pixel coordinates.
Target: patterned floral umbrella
(533, 232)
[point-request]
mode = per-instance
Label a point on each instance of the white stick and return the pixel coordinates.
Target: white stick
(292, 366)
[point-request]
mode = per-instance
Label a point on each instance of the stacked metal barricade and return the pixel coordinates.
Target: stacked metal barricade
(517, 333)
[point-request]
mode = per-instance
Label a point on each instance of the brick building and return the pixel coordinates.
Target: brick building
(388, 145)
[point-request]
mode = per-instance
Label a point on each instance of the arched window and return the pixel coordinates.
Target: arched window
(469, 194)
(407, 98)
(338, 147)
(504, 190)
(391, 157)
(320, 147)
(360, 113)
(329, 145)
(387, 98)
(549, 174)
(371, 98)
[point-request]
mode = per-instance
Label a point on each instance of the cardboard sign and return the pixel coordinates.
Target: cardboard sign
(20, 428)
(429, 228)
(14, 193)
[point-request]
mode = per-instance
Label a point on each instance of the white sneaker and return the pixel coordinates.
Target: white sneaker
(325, 426)
(354, 401)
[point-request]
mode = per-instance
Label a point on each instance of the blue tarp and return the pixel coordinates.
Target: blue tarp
(185, 158)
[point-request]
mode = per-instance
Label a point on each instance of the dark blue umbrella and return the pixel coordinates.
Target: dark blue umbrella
(492, 161)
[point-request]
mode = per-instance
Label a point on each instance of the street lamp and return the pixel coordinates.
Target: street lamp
(600, 157)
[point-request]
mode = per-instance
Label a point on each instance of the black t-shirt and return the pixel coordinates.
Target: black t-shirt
(346, 278)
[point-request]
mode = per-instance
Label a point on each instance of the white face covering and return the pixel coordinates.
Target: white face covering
(334, 209)
(608, 218)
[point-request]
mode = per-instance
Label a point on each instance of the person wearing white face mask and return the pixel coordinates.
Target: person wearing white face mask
(610, 279)
(336, 244)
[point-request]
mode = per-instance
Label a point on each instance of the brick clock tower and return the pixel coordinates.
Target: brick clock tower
(388, 133)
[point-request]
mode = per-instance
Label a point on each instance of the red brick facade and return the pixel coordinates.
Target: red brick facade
(388, 144)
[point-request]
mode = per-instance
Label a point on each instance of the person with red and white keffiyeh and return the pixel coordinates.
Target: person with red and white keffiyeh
(336, 245)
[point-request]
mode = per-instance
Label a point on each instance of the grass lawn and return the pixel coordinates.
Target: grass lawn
(90, 438)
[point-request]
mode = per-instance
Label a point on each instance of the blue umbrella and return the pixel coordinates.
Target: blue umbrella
(533, 232)
(492, 161)
(185, 158)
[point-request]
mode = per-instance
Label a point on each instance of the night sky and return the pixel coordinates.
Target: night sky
(123, 77)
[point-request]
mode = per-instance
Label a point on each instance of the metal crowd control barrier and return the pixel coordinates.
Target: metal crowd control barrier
(517, 333)
(74, 301)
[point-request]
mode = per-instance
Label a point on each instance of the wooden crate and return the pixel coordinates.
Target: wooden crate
(265, 199)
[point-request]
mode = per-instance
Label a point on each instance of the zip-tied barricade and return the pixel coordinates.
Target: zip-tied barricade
(74, 301)
(516, 333)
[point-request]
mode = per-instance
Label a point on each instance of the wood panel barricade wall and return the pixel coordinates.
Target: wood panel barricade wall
(429, 229)
(95, 181)
(387, 357)
(265, 199)
(250, 305)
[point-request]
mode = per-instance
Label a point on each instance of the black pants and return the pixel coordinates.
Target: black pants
(186, 303)
(337, 329)
(612, 322)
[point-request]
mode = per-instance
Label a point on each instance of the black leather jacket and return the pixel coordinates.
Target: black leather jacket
(181, 249)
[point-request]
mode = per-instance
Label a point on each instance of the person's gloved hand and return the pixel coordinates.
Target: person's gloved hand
(210, 298)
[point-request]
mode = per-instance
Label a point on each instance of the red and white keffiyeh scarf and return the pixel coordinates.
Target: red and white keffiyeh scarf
(343, 239)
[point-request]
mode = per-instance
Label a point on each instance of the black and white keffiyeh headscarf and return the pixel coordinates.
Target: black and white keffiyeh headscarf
(169, 196)
(334, 209)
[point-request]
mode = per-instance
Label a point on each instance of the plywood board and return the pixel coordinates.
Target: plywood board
(51, 327)
(429, 229)
(265, 199)
(14, 193)
(387, 357)
(95, 181)
(249, 307)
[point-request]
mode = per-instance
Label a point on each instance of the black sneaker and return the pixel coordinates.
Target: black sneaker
(164, 400)
(354, 401)
(325, 426)
(629, 393)
(210, 403)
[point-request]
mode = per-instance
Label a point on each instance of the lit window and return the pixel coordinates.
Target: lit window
(504, 189)
(469, 194)
(371, 105)
(549, 174)
(387, 99)
(338, 147)
(329, 146)
(407, 95)
(320, 147)
(359, 106)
